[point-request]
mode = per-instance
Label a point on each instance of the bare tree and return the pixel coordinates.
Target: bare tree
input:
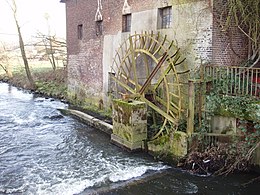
(48, 41)
(54, 48)
(4, 61)
(21, 44)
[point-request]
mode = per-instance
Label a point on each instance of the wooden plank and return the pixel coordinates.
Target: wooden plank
(190, 120)
(161, 112)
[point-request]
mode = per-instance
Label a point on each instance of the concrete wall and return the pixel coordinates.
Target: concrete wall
(191, 31)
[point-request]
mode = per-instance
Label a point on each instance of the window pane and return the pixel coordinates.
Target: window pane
(166, 17)
(126, 23)
(80, 31)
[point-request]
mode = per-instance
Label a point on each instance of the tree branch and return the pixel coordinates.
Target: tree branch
(3, 67)
(245, 33)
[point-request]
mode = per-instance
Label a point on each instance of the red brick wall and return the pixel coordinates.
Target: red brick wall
(112, 12)
(80, 12)
(84, 56)
(83, 12)
(228, 48)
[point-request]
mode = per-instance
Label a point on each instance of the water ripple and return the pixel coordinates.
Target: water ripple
(43, 152)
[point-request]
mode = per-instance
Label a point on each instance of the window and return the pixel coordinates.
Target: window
(80, 31)
(99, 27)
(126, 23)
(165, 17)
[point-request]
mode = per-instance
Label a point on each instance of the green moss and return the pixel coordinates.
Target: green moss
(129, 104)
(177, 136)
(127, 136)
(224, 112)
(243, 114)
(89, 108)
(51, 89)
(162, 140)
(126, 109)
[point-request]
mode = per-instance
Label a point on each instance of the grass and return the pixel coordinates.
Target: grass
(35, 66)
(48, 82)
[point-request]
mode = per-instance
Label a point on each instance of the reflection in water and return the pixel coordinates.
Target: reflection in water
(9, 88)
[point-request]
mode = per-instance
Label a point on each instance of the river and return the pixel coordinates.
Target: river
(44, 152)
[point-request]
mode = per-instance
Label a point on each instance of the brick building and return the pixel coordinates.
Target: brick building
(96, 28)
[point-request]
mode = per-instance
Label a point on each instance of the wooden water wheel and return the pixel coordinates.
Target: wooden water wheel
(147, 67)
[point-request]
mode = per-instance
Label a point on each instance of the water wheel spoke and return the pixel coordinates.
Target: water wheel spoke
(173, 94)
(129, 80)
(160, 46)
(180, 62)
(167, 72)
(160, 102)
(150, 41)
(174, 54)
(125, 86)
(171, 44)
(157, 109)
(142, 41)
(175, 106)
(174, 115)
(160, 131)
(183, 72)
(153, 46)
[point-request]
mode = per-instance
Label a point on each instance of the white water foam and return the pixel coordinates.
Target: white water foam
(25, 120)
(132, 172)
(76, 185)
(12, 191)
(67, 186)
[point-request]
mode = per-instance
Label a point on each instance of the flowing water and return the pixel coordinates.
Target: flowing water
(43, 152)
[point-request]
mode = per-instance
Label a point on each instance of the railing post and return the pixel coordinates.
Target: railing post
(190, 120)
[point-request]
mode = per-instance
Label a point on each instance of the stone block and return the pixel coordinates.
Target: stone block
(129, 123)
(175, 145)
(223, 125)
(179, 144)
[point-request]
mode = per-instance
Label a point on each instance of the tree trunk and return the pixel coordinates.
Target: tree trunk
(52, 55)
(25, 61)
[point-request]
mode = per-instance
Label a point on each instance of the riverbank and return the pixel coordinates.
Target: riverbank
(45, 153)
(53, 84)
(49, 83)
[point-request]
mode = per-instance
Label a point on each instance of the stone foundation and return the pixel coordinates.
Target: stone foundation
(129, 124)
(174, 145)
